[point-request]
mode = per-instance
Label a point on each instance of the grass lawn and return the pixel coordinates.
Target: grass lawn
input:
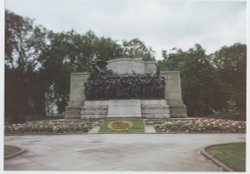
(233, 155)
(8, 150)
(122, 125)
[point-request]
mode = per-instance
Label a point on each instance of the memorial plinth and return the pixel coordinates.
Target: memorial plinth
(124, 108)
(125, 87)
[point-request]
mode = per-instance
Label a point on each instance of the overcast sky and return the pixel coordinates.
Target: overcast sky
(161, 24)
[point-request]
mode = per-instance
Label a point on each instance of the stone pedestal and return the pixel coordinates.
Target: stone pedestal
(173, 93)
(124, 108)
(77, 97)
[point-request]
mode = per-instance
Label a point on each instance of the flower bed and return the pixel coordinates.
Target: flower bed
(48, 127)
(203, 125)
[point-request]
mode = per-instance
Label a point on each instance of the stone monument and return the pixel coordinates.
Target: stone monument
(125, 87)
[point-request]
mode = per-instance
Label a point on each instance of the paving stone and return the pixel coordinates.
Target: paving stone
(116, 152)
(149, 129)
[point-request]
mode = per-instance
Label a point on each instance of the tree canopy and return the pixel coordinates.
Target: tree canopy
(38, 63)
(215, 82)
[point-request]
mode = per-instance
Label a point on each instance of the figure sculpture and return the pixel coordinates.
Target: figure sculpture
(103, 84)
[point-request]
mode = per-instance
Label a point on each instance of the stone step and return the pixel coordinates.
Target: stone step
(94, 112)
(155, 111)
(149, 122)
(156, 115)
(178, 116)
(96, 103)
(93, 116)
(154, 107)
(72, 116)
(154, 104)
(73, 112)
(94, 108)
(153, 121)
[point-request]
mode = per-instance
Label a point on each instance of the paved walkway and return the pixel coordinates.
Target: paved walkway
(121, 152)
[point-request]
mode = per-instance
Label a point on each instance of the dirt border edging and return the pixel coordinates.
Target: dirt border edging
(215, 160)
(21, 151)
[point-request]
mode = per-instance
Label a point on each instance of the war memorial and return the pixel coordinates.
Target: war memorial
(125, 87)
(132, 98)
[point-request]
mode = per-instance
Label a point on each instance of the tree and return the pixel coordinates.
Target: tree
(23, 45)
(199, 82)
(72, 52)
(107, 49)
(230, 63)
(137, 49)
(210, 82)
(173, 60)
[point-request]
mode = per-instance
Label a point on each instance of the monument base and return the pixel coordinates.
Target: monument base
(73, 112)
(127, 108)
(124, 108)
(178, 111)
(155, 109)
(95, 109)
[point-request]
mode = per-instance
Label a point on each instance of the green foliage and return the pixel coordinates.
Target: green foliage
(38, 63)
(231, 66)
(233, 155)
(24, 92)
(198, 78)
(107, 49)
(210, 82)
(137, 49)
(229, 116)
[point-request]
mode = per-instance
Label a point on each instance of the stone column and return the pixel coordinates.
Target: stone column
(77, 96)
(173, 93)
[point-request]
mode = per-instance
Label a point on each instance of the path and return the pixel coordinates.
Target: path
(121, 152)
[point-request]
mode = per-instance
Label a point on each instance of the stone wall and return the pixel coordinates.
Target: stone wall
(150, 67)
(125, 65)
